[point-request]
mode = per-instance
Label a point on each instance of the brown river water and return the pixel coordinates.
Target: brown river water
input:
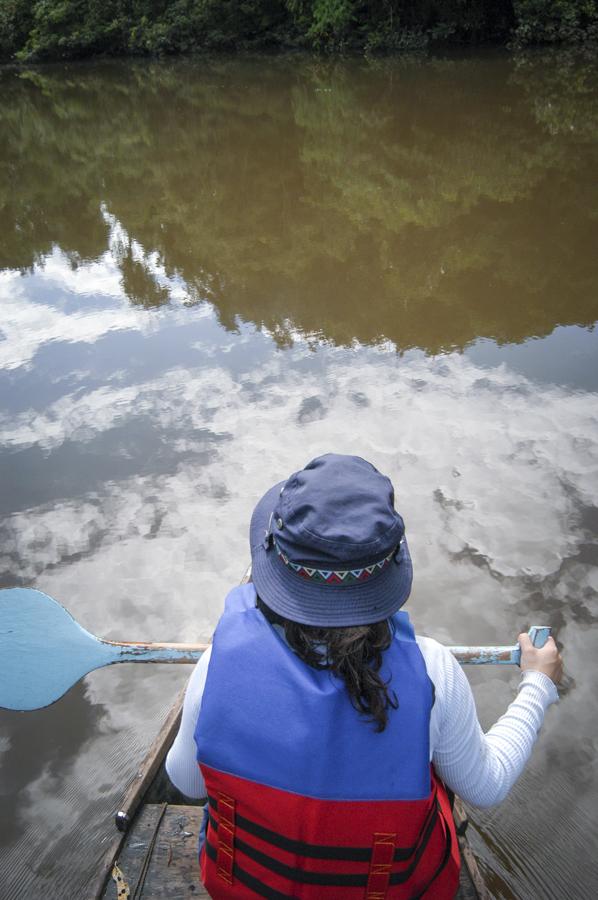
(212, 271)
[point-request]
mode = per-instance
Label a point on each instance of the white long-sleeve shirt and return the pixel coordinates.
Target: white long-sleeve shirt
(480, 768)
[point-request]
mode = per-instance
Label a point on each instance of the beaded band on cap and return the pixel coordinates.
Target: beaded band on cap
(335, 576)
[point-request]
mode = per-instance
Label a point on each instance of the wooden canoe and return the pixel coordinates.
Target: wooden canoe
(156, 836)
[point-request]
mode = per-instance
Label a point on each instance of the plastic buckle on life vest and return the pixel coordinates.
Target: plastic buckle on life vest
(381, 861)
(226, 838)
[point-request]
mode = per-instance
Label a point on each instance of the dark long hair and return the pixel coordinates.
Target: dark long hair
(353, 653)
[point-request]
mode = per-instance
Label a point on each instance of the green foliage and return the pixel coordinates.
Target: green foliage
(331, 22)
(73, 28)
(58, 29)
(69, 28)
(16, 21)
(555, 21)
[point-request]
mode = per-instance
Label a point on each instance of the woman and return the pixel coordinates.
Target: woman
(325, 731)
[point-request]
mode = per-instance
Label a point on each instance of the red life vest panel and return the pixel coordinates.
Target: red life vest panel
(294, 809)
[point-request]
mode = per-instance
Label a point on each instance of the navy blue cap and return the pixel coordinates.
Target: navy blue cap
(328, 547)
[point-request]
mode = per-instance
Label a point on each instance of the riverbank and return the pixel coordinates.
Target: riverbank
(69, 29)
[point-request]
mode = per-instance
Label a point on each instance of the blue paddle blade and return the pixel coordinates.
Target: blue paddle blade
(43, 650)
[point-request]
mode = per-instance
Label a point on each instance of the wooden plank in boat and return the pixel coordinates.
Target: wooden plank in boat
(471, 885)
(159, 858)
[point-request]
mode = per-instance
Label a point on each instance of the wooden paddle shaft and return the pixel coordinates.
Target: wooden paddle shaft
(151, 651)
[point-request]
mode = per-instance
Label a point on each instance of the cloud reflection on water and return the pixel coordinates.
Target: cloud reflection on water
(494, 475)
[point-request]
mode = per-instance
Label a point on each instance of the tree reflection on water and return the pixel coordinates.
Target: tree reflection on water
(428, 204)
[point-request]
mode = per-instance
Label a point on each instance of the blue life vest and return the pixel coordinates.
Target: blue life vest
(306, 799)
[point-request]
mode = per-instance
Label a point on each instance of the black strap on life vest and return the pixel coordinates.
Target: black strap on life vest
(319, 851)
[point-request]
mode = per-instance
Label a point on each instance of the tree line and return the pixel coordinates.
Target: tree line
(63, 29)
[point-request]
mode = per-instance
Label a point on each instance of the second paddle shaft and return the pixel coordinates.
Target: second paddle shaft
(509, 656)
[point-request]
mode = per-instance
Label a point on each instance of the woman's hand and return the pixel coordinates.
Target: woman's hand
(545, 659)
